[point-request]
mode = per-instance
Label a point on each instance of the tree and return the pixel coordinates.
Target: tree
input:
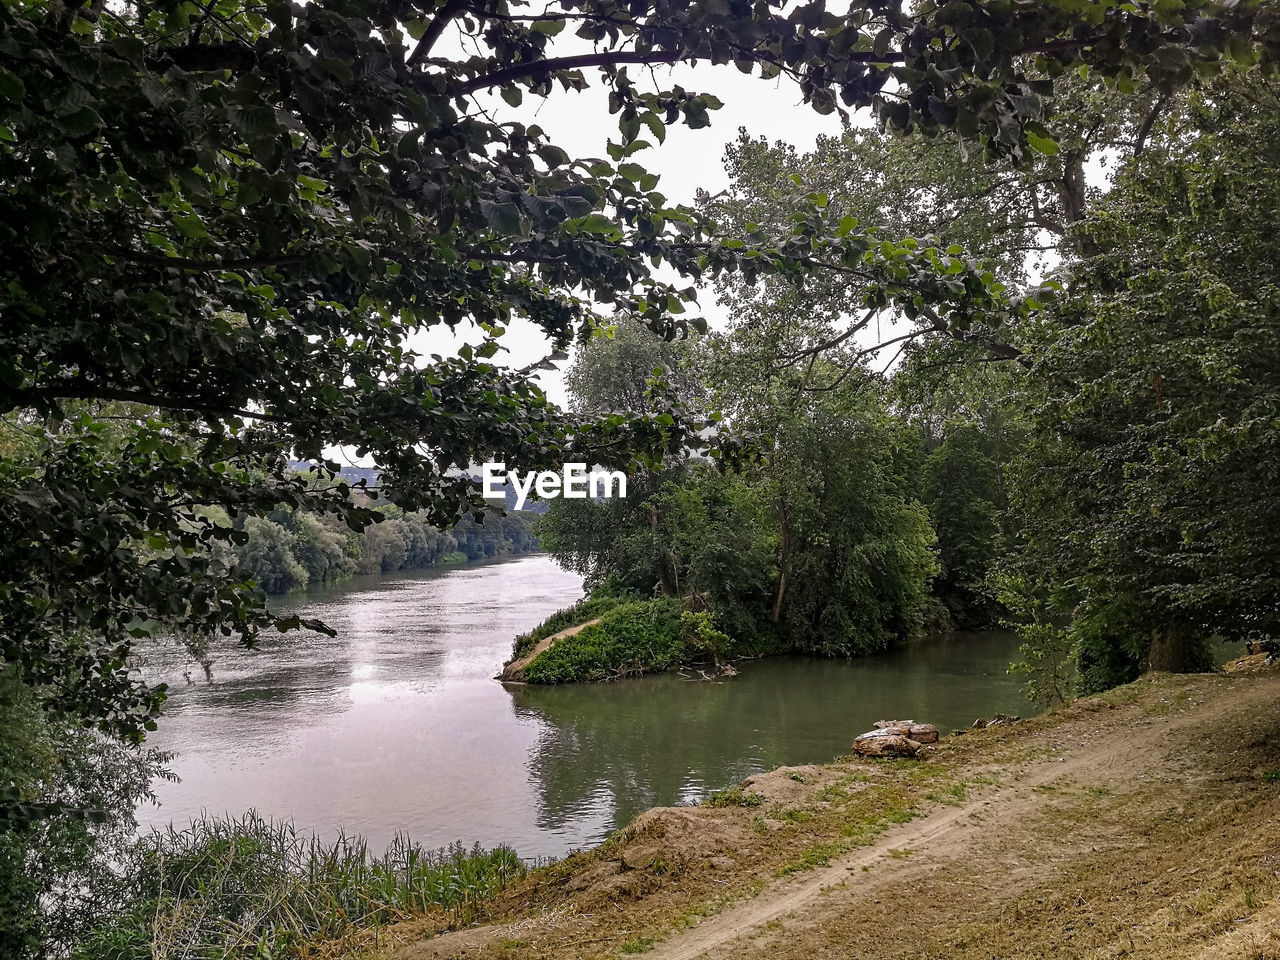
(267, 556)
(613, 369)
(1147, 495)
(234, 216)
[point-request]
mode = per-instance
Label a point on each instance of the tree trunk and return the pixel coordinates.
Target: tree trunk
(1171, 651)
(784, 562)
(666, 574)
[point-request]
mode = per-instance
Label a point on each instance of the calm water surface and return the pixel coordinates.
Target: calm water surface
(397, 724)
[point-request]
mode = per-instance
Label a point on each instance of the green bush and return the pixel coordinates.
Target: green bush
(595, 605)
(733, 797)
(646, 636)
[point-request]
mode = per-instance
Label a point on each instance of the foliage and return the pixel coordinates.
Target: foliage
(702, 636)
(820, 545)
(1147, 493)
(57, 877)
(964, 492)
(734, 797)
(631, 638)
(855, 546)
(613, 369)
(249, 887)
(291, 549)
(268, 557)
(1047, 663)
(600, 601)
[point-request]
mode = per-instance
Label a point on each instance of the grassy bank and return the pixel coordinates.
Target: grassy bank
(234, 889)
(1143, 818)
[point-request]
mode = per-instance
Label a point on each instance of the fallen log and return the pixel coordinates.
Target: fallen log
(886, 742)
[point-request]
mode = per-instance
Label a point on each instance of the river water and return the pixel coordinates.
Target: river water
(397, 724)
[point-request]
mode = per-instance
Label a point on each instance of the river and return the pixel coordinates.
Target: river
(397, 724)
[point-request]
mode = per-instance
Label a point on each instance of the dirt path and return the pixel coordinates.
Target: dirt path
(949, 839)
(513, 669)
(1142, 824)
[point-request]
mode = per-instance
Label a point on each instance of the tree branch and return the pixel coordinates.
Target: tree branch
(539, 67)
(428, 39)
(81, 390)
(1140, 142)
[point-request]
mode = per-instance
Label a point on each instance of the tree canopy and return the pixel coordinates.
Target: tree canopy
(228, 219)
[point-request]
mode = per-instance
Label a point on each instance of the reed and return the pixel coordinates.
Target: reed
(249, 887)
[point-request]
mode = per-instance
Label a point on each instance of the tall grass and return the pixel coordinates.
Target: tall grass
(248, 887)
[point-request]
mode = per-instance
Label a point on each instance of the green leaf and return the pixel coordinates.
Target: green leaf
(596, 223)
(11, 86)
(1040, 140)
(655, 125)
(83, 121)
(190, 226)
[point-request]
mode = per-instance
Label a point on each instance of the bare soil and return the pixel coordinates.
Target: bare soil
(1143, 823)
(515, 669)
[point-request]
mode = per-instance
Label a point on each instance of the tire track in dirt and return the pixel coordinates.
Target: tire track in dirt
(950, 834)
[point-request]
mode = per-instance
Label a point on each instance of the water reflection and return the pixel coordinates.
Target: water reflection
(395, 723)
(666, 740)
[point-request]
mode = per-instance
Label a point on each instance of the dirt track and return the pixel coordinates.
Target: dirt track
(1141, 824)
(513, 670)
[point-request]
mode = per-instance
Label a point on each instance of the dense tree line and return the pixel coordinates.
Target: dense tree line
(289, 548)
(1103, 477)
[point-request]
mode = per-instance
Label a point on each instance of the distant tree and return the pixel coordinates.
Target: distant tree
(613, 369)
(321, 549)
(267, 555)
(965, 494)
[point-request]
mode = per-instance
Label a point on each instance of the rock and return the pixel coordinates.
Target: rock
(886, 724)
(999, 718)
(923, 732)
(885, 743)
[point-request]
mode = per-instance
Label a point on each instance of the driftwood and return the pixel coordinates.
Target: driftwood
(895, 738)
(920, 732)
(885, 743)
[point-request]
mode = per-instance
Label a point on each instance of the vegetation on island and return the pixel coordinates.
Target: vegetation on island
(1103, 480)
(225, 225)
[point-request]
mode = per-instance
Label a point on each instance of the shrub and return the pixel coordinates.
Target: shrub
(733, 797)
(631, 638)
(251, 888)
(599, 602)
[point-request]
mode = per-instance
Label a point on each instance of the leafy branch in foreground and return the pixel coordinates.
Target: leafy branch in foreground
(234, 218)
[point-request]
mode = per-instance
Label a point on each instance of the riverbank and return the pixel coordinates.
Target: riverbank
(1139, 823)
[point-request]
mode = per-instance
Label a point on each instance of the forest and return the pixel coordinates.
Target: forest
(288, 549)
(1102, 481)
(1004, 351)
